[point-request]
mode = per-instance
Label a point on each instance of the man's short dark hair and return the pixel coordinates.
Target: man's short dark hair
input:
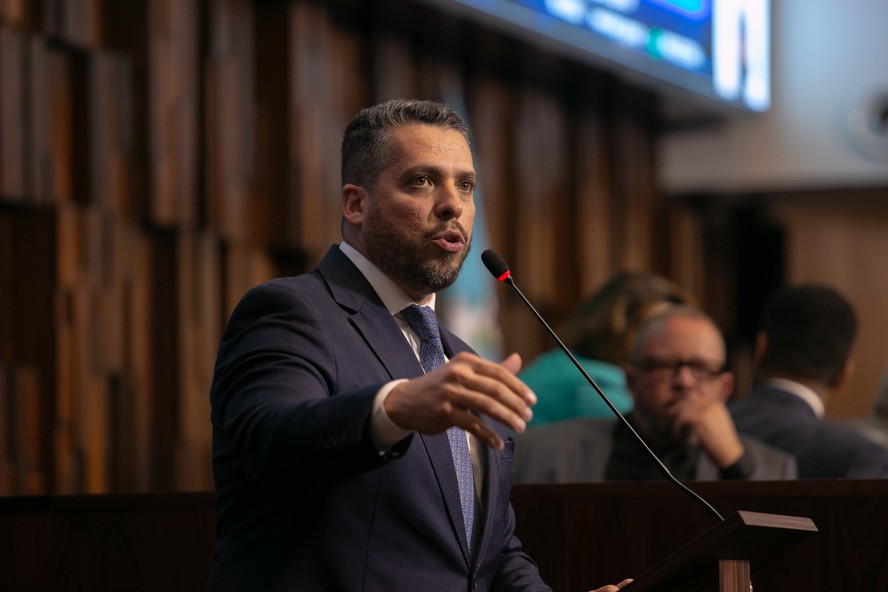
(810, 330)
(365, 142)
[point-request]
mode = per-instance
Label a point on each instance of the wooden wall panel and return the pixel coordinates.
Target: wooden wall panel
(632, 178)
(7, 294)
(12, 114)
(592, 211)
(489, 104)
(7, 425)
(14, 12)
(27, 412)
(172, 110)
(28, 305)
(110, 133)
(228, 117)
(314, 146)
(48, 83)
(540, 174)
(199, 333)
(76, 22)
(82, 353)
(138, 382)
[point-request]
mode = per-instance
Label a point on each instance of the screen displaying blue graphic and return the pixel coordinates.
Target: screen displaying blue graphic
(718, 50)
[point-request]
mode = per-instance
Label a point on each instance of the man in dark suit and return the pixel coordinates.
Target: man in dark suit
(355, 445)
(677, 377)
(803, 351)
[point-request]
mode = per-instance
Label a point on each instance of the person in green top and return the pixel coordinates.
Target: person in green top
(599, 334)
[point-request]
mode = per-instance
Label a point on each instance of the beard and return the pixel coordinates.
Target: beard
(414, 263)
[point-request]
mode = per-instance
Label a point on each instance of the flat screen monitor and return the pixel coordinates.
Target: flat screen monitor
(716, 52)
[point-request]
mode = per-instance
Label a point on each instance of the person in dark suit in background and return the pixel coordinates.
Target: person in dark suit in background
(357, 446)
(677, 375)
(804, 358)
(874, 425)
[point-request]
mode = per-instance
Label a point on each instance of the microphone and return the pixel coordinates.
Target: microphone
(497, 266)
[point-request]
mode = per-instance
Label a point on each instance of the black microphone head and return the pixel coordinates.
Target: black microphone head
(495, 264)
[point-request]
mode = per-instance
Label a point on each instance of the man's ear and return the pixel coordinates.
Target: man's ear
(844, 375)
(727, 386)
(354, 199)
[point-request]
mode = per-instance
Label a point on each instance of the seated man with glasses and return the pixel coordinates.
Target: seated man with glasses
(677, 377)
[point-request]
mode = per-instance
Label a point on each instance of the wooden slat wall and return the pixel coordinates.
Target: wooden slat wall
(159, 157)
(12, 129)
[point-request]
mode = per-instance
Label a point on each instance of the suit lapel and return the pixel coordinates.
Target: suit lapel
(372, 320)
(375, 324)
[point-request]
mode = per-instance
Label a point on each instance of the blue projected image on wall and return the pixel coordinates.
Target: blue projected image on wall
(717, 49)
(723, 42)
(677, 32)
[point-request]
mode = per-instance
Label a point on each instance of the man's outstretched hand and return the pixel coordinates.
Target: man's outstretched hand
(459, 392)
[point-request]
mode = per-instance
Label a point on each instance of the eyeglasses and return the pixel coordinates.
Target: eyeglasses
(700, 369)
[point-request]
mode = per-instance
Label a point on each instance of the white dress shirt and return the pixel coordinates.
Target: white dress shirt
(385, 432)
(803, 392)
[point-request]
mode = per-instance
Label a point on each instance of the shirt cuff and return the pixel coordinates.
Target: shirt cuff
(385, 432)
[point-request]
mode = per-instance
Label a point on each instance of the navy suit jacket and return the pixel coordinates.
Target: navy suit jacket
(305, 501)
(823, 449)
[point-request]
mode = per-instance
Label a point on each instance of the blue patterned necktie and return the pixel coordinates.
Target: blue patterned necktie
(424, 323)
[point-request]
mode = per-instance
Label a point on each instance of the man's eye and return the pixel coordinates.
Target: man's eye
(467, 186)
(421, 181)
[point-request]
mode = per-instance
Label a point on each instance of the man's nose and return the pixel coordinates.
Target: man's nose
(449, 203)
(684, 374)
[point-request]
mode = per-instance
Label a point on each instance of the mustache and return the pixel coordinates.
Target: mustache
(449, 226)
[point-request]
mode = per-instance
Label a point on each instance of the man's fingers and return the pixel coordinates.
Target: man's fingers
(482, 396)
(460, 391)
(504, 408)
(473, 424)
(497, 381)
(512, 363)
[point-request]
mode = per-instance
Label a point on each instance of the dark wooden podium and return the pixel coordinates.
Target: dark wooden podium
(584, 536)
(720, 560)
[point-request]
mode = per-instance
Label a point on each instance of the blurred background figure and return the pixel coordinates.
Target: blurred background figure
(803, 352)
(875, 425)
(677, 376)
(599, 333)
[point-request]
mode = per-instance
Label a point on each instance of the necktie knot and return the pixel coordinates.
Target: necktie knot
(423, 322)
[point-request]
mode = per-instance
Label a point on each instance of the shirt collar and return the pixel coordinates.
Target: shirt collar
(392, 296)
(801, 391)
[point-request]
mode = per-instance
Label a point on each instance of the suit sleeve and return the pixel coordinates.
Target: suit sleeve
(517, 571)
(277, 370)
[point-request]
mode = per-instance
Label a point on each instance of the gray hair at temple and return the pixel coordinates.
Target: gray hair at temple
(365, 142)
